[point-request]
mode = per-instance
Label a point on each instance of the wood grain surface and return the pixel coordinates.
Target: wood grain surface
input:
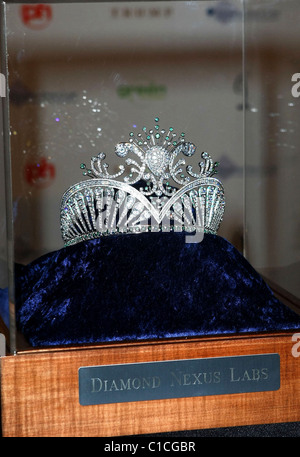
(40, 395)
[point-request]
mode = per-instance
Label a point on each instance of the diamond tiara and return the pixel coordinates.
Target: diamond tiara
(158, 191)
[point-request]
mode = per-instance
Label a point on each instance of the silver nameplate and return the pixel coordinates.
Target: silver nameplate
(178, 379)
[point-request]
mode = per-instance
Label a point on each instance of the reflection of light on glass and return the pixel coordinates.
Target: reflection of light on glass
(82, 124)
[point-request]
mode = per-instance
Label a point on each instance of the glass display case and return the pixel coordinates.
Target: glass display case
(272, 160)
(4, 302)
(82, 76)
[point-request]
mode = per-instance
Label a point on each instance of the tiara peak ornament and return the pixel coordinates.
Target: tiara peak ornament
(158, 190)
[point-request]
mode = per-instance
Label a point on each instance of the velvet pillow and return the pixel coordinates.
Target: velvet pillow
(144, 286)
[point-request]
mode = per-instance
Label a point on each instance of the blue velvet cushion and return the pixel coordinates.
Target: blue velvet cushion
(4, 307)
(152, 285)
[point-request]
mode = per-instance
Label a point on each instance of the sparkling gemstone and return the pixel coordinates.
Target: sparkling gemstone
(121, 150)
(130, 201)
(157, 159)
(188, 149)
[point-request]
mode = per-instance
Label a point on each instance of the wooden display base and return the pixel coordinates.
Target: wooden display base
(40, 393)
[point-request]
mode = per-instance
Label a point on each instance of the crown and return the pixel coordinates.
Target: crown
(154, 189)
